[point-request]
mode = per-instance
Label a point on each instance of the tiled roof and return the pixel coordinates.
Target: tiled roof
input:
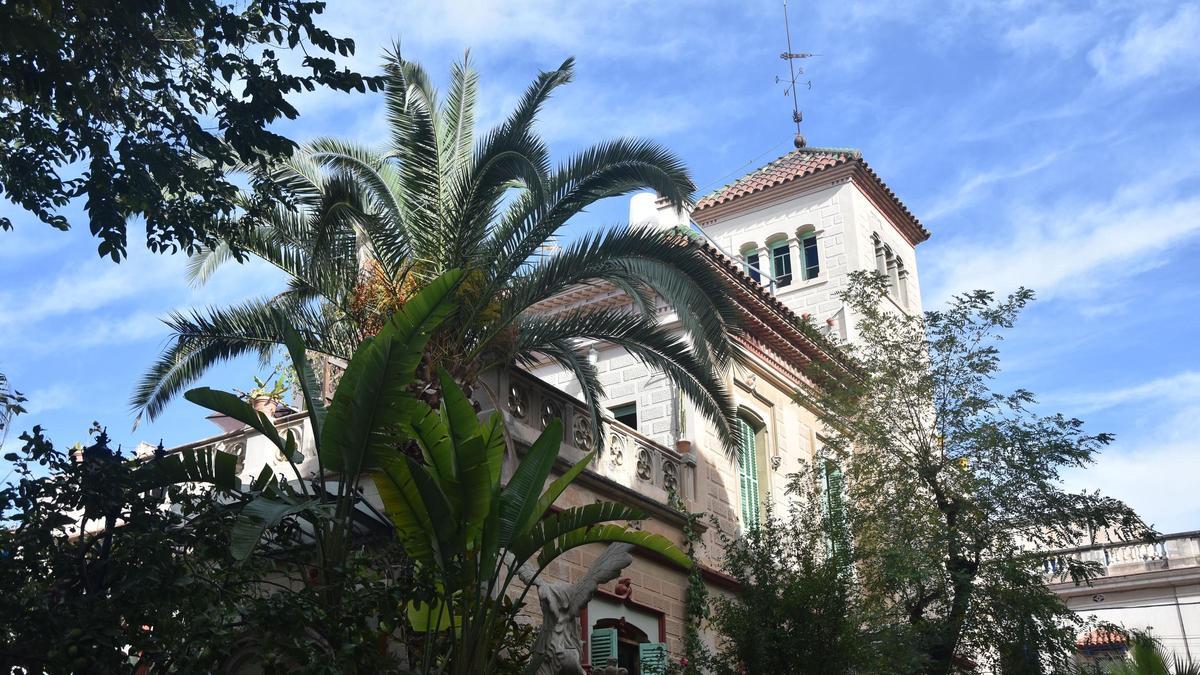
(804, 162)
(791, 166)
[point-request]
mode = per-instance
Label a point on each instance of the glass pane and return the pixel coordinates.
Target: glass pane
(781, 260)
(812, 263)
(625, 414)
(752, 266)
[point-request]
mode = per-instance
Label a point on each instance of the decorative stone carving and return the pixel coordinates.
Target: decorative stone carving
(558, 640)
(239, 451)
(645, 465)
(518, 401)
(550, 411)
(671, 477)
(582, 430)
(616, 449)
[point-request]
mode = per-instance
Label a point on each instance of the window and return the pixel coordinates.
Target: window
(781, 263)
(811, 267)
(838, 540)
(880, 255)
(622, 643)
(902, 282)
(625, 414)
(748, 473)
(752, 268)
(893, 275)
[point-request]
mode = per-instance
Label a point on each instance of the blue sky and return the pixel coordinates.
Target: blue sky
(1048, 145)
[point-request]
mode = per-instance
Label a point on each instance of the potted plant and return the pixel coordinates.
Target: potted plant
(266, 399)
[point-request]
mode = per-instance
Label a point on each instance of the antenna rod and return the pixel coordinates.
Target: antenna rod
(796, 116)
(790, 57)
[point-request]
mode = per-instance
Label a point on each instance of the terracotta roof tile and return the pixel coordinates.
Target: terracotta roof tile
(806, 162)
(791, 166)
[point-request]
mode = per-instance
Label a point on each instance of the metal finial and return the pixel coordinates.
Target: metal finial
(791, 57)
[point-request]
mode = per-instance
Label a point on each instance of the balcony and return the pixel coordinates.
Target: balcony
(1122, 558)
(628, 459)
(644, 470)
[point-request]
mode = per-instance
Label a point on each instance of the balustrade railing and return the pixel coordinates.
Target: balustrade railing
(1171, 551)
(529, 403)
(627, 457)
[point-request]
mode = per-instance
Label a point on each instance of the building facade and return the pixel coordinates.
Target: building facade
(784, 239)
(1149, 586)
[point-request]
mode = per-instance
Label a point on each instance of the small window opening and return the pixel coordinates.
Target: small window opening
(625, 414)
(781, 263)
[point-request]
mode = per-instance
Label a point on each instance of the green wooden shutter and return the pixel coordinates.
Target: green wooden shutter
(602, 647)
(652, 658)
(748, 474)
(835, 508)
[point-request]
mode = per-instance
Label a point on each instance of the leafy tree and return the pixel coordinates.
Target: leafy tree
(11, 404)
(160, 591)
(142, 106)
(954, 488)
(453, 517)
(797, 611)
(372, 225)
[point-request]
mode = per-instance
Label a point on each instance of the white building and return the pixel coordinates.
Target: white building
(1151, 586)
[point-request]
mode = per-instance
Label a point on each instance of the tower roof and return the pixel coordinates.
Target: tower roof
(804, 162)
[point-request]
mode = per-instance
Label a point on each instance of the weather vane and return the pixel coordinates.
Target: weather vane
(791, 58)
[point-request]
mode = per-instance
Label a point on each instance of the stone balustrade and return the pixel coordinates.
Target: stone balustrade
(627, 457)
(1169, 552)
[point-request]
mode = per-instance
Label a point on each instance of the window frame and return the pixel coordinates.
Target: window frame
(749, 483)
(807, 241)
(613, 411)
(782, 278)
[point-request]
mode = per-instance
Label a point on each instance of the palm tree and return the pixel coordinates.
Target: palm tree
(1147, 657)
(368, 226)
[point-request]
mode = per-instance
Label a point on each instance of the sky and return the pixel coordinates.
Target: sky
(1049, 145)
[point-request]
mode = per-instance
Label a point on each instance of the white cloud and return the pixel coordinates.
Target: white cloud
(1063, 33)
(1151, 48)
(974, 187)
(1154, 468)
(54, 397)
(1157, 480)
(1180, 389)
(1072, 248)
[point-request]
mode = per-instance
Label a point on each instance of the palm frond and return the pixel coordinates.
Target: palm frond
(203, 339)
(645, 340)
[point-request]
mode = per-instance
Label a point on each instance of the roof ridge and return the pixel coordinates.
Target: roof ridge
(850, 154)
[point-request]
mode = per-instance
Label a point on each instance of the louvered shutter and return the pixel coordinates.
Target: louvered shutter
(748, 474)
(652, 658)
(602, 647)
(835, 508)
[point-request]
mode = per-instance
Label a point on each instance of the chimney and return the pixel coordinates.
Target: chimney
(648, 209)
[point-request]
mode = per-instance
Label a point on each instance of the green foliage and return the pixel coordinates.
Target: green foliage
(11, 405)
(99, 577)
(142, 106)
(950, 484)
(1147, 657)
(368, 225)
(457, 520)
(797, 611)
(459, 526)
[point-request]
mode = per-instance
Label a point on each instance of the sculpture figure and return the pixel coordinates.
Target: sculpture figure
(558, 642)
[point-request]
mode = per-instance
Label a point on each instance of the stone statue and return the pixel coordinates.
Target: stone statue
(558, 641)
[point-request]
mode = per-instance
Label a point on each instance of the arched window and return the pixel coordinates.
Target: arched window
(750, 438)
(810, 258)
(902, 282)
(781, 261)
(880, 255)
(751, 262)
